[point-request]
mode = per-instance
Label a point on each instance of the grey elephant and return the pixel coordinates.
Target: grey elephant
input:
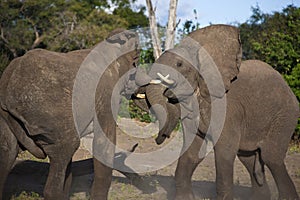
(244, 108)
(40, 96)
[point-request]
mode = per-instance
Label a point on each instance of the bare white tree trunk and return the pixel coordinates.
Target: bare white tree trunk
(154, 31)
(170, 35)
(171, 28)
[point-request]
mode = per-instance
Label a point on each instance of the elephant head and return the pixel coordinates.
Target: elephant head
(193, 74)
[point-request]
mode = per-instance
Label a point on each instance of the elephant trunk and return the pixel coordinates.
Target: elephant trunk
(139, 99)
(166, 113)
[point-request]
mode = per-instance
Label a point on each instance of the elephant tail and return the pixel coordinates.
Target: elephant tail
(21, 133)
(258, 168)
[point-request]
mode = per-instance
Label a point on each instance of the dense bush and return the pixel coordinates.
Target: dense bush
(275, 39)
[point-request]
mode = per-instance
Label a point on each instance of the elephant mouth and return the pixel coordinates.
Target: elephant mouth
(142, 96)
(171, 107)
(135, 62)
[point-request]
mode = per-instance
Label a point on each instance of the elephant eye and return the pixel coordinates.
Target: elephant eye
(179, 64)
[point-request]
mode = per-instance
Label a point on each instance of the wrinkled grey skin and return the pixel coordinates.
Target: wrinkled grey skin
(36, 113)
(261, 113)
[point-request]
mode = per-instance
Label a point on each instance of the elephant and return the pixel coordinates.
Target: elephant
(244, 108)
(40, 98)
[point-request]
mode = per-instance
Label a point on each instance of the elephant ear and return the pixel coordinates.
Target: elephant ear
(220, 49)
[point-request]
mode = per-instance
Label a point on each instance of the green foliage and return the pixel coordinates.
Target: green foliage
(129, 110)
(90, 31)
(275, 39)
(27, 196)
(135, 18)
(4, 61)
(294, 147)
(189, 25)
(293, 79)
(139, 114)
(25, 155)
(146, 56)
(61, 25)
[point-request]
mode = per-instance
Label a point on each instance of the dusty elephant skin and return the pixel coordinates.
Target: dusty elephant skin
(261, 111)
(36, 112)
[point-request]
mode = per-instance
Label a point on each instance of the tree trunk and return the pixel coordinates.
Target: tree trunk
(38, 38)
(170, 35)
(154, 32)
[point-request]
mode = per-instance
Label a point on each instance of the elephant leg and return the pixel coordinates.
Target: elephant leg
(259, 192)
(186, 166)
(283, 181)
(224, 174)
(59, 177)
(273, 153)
(68, 179)
(225, 153)
(103, 160)
(8, 152)
(55, 185)
(102, 180)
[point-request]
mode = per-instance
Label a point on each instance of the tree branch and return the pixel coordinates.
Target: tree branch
(154, 31)
(2, 35)
(6, 42)
(38, 38)
(170, 35)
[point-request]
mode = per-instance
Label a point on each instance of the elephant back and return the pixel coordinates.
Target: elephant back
(41, 80)
(44, 68)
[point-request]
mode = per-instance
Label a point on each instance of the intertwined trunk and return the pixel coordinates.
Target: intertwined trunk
(166, 113)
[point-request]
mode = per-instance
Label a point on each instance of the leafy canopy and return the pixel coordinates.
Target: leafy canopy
(61, 25)
(275, 39)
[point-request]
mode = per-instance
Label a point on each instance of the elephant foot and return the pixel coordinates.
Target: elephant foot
(256, 196)
(185, 196)
(225, 196)
(261, 193)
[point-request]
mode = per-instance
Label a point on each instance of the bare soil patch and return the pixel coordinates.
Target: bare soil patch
(30, 176)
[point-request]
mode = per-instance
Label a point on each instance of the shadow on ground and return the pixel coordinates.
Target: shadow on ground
(31, 176)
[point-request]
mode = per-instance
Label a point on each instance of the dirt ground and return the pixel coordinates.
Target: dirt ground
(30, 176)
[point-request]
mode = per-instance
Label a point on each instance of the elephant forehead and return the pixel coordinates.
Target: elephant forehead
(182, 87)
(188, 50)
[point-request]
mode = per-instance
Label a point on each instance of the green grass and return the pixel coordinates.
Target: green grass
(27, 196)
(25, 155)
(294, 147)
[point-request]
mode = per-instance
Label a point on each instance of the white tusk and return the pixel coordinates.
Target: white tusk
(141, 96)
(155, 81)
(166, 78)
